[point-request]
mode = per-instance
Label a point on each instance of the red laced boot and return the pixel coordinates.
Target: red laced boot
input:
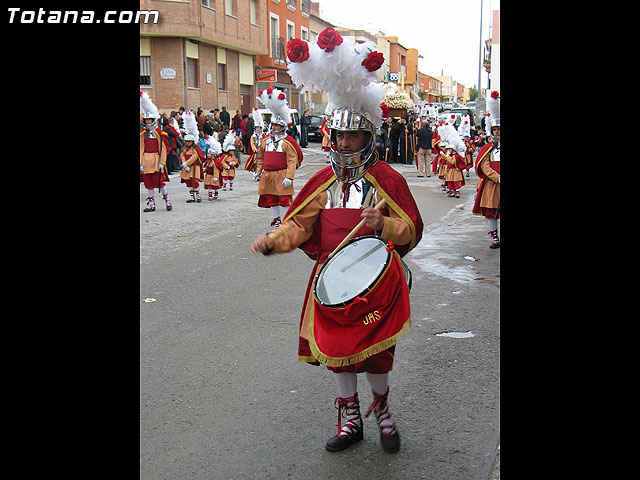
(151, 205)
(389, 436)
(495, 243)
(276, 222)
(351, 432)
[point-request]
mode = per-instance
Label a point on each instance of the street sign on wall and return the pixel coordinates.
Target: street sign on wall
(266, 74)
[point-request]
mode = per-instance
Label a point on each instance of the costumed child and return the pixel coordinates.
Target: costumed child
(154, 145)
(464, 130)
(488, 170)
(191, 158)
(229, 160)
(453, 159)
(255, 141)
(212, 179)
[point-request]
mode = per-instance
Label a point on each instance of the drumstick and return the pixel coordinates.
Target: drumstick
(380, 205)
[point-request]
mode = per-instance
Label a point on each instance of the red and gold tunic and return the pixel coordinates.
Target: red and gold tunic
(231, 161)
(153, 153)
(317, 230)
(488, 171)
(277, 160)
(193, 157)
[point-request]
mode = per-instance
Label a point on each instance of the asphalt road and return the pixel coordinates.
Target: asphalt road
(222, 395)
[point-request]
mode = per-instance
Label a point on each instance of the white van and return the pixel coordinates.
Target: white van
(266, 114)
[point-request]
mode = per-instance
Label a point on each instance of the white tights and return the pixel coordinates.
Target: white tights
(348, 383)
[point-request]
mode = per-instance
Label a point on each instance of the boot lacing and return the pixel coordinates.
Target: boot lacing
(350, 408)
(381, 408)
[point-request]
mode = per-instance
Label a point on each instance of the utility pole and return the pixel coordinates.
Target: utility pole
(480, 53)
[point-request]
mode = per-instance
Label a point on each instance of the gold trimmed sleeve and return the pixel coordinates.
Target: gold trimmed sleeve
(298, 228)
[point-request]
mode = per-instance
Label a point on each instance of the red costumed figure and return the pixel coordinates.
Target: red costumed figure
(154, 145)
(255, 141)
(360, 334)
(212, 167)
(191, 158)
(278, 158)
(488, 170)
(229, 160)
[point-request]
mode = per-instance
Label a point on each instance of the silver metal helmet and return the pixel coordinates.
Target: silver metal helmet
(151, 126)
(495, 139)
(350, 167)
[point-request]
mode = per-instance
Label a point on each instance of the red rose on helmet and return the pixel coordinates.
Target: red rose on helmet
(373, 62)
(495, 94)
(329, 39)
(281, 96)
(297, 50)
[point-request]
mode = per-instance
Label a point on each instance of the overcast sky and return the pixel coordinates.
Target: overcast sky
(445, 32)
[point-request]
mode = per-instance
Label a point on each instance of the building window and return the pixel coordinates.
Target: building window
(228, 7)
(222, 76)
(192, 73)
(145, 71)
(253, 11)
(275, 35)
(291, 30)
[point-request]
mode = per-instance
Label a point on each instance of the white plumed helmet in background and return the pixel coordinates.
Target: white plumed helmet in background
(214, 145)
(148, 108)
(229, 141)
(258, 120)
(190, 126)
(275, 101)
(493, 107)
(464, 129)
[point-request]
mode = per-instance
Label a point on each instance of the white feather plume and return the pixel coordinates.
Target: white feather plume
(147, 106)
(450, 136)
(190, 124)
(258, 121)
(493, 106)
(229, 139)
(342, 76)
(464, 129)
(214, 145)
(276, 105)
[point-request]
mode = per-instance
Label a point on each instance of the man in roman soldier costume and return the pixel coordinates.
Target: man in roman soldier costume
(488, 170)
(278, 158)
(191, 157)
(361, 337)
(154, 146)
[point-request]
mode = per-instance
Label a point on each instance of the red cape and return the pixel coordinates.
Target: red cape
(390, 185)
(296, 147)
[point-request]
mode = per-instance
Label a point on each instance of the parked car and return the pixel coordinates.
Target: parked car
(313, 131)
